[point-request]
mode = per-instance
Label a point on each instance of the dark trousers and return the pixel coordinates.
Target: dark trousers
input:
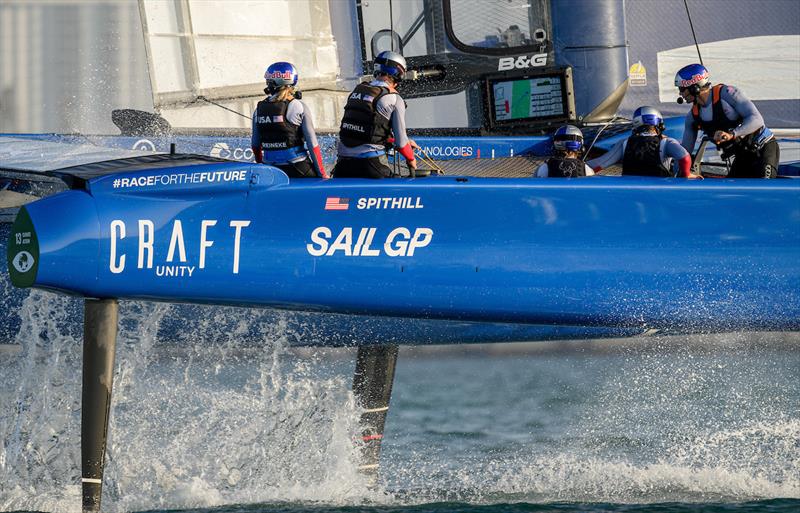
(760, 164)
(301, 169)
(372, 167)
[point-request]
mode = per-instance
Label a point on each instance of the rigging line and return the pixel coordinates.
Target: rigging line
(691, 25)
(391, 25)
(222, 106)
(586, 153)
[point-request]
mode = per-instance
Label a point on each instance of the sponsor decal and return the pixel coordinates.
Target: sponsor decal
(362, 97)
(351, 126)
(22, 255)
(407, 202)
(401, 203)
(637, 75)
(275, 145)
(367, 241)
(694, 80)
(144, 145)
(22, 238)
(176, 263)
(23, 262)
(448, 151)
(522, 62)
(180, 179)
(337, 203)
(286, 75)
(269, 119)
(221, 150)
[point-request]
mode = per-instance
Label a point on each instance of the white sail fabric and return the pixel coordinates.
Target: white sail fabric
(220, 49)
(742, 62)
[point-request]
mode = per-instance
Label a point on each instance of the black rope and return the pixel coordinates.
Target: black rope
(222, 106)
(685, 4)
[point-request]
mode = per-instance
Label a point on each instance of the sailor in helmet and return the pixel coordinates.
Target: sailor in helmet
(727, 117)
(375, 117)
(283, 131)
(648, 152)
(566, 160)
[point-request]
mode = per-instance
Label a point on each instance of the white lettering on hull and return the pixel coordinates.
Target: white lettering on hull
(177, 245)
(400, 241)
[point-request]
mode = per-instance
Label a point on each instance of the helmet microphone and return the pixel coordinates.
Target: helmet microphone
(680, 100)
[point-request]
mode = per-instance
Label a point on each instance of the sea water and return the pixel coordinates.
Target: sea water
(658, 424)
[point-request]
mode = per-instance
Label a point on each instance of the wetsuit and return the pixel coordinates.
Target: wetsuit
(670, 152)
(563, 167)
(755, 151)
(372, 114)
(282, 130)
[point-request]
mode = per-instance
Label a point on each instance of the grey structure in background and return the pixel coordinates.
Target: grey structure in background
(65, 64)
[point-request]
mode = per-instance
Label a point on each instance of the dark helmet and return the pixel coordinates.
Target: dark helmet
(568, 138)
(390, 63)
(692, 77)
(280, 74)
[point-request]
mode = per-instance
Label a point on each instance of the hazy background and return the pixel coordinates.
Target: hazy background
(64, 65)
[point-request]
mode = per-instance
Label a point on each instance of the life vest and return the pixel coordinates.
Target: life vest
(361, 123)
(643, 157)
(276, 132)
(558, 167)
(719, 121)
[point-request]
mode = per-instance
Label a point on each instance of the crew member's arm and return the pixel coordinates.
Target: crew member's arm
(255, 141)
(683, 161)
(589, 171)
(751, 118)
(397, 115)
(689, 133)
(611, 157)
(312, 144)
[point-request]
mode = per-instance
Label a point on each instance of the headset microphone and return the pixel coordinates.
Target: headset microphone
(680, 100)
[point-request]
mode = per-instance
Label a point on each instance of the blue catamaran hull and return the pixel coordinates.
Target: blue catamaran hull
(612, 253)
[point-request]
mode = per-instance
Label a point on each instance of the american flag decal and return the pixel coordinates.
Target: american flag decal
(337, 203)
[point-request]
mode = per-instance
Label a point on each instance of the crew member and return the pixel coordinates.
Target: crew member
(648, 152)
(283, 128)
(727, 117)
(374, 118)
(566, 160)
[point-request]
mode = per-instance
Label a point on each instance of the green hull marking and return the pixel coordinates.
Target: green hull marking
(23, 251)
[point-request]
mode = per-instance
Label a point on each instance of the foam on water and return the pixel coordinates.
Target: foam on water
(222, 422)
(666, 425)
(189, 427)
(569, 475)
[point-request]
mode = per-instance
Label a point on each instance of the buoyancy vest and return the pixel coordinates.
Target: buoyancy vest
(276, 132)
(361, 123)
(719, 121)
(559, 167)
(643, 157)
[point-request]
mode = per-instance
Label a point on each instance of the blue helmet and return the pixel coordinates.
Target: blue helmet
(280, 74)
(568, 138)
(390, 63)
(647, 116)
(692, 77)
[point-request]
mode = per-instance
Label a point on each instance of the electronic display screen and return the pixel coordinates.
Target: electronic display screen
(528, 100)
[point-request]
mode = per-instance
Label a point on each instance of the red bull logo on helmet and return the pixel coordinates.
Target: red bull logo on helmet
(286, 75)
(695, 79)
